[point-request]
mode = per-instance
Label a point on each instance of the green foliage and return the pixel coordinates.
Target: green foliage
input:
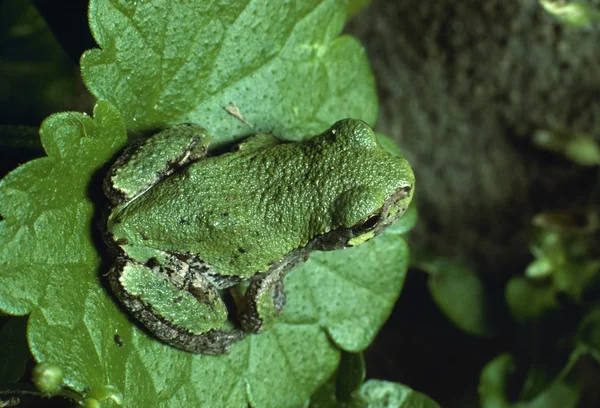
(494, 385)
(579, 14)
(553, 299)
(294, 77)
(458, 292)
(566, 262)
(345, 389)
(64, 293)
(555, 312)
(385, 394)
(580, 148)
(284, 67)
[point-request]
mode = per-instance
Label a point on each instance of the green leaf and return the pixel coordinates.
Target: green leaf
(580, 148)
(385, 394)
(575, 13)
(353, 290)
(165, 63)
(528, 300)
(459, 293)
(372, 394)
(389, 144)
(52, 192)
(564, 247)
(284, 67)
(14, 352)
(50, 268)
(494, 384)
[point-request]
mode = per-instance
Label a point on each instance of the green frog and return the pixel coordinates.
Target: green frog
(187, 226)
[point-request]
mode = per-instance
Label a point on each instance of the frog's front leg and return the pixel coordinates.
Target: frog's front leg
(265, 297)
(180, 307)
(143, 164)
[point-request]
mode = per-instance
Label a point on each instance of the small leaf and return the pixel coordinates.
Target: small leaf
(385, 394)
(529, 301)
(459, 293)
(575, 13)
(564, 247)
(284, 66)
(493, 388)
(579, 148)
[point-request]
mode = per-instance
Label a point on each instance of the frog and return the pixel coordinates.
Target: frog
(202, 242)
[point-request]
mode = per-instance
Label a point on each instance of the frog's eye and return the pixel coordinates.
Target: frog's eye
(367, 224)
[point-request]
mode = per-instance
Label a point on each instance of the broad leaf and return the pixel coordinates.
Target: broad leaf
(170, 62)
(51, 269)
(283, 67)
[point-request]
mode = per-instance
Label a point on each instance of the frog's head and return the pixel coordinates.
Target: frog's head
(364, 211)
(377, 189)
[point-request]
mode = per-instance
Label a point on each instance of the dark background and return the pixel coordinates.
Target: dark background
(463, 85)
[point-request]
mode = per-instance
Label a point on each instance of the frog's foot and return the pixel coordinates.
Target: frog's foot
(158, 156)
(213, 342)
(186, 313)
(264, 300)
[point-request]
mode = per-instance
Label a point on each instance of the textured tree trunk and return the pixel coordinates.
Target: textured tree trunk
(463, 86)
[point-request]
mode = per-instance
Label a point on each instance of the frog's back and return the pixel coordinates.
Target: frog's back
(234, 211)
(242, 211)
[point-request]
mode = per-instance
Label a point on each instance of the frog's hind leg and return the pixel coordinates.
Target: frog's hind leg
(145, 163)
(186, 313)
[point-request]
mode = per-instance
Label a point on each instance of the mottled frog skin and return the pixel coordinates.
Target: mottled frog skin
(186, 226)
